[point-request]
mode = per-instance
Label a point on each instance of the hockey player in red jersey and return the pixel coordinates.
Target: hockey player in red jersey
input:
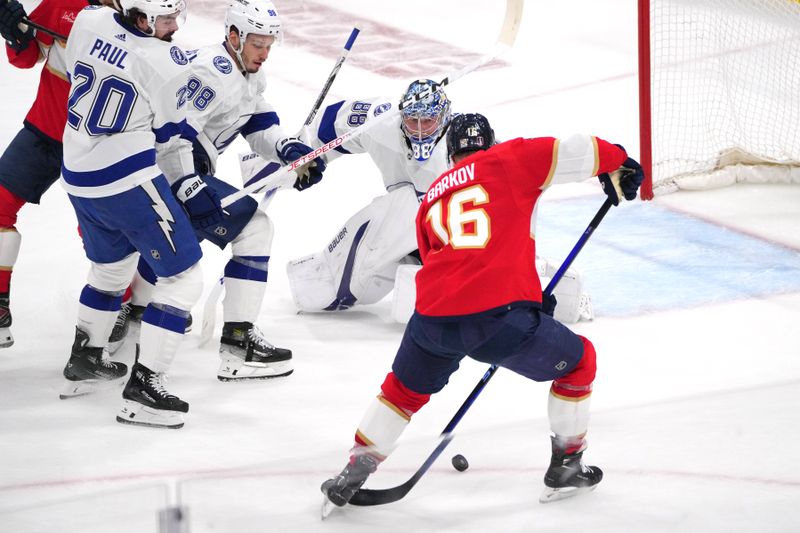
(478, 294)
(32, 162)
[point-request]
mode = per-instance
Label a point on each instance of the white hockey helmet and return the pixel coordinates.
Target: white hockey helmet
(152, 9)
(258, 17)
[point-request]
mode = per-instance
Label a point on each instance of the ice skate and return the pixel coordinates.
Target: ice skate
(246, 354)
(568, 476)
(146, 401)
(339, 490)
(88, 369)
(6, 339)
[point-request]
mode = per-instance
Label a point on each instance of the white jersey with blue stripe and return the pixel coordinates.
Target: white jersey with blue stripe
(385, 142)
(127, 105)
(223, 103)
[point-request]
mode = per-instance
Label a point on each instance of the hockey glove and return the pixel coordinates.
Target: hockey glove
(201, 202)
(623, 182)
(11, 14)
(292, 149)
(549, 303)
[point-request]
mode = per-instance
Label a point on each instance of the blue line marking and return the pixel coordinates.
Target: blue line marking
(644, 257)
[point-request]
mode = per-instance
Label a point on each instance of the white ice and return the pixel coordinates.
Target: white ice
(694, 412)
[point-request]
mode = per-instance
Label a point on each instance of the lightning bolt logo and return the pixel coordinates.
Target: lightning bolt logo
(165, 216)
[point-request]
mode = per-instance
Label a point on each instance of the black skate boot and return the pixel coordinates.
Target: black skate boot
(567, 475)
(147, 403)
(246, 354)
(340, 490)
(88, 370)
(6, 339)
(120, 331)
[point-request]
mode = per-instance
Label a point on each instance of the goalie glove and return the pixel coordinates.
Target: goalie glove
(623, 182)
(201, 202)
(292, 149)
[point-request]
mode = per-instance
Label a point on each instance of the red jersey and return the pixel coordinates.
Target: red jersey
(473, 226)
(49, 111)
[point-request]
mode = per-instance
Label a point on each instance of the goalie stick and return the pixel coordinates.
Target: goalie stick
(282, 178)
(210, 306)
(367, 497)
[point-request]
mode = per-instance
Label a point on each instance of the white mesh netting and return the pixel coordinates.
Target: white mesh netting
(725, 91)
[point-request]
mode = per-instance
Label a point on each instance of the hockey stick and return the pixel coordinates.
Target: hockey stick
(365, 497)
(210, 306)
(41, 28)
(281, 178)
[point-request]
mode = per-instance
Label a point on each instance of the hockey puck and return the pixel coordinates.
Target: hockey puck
(459, 462)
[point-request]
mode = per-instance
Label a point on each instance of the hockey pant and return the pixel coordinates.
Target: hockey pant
(245, 273)
(360, 262)
(522, 340)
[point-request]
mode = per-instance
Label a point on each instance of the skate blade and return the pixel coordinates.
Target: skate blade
(550, 495)
(6, 339)
(327, 507)
(247, 371)
(74, 389)
(136, 414)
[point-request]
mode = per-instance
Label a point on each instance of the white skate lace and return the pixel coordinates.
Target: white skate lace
(105, 361)
(157, 381)
(255, 335)
(124, 311)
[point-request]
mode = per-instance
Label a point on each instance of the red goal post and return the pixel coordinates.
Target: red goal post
(719, 93)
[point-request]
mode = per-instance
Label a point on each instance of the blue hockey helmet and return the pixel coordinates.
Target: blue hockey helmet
(424, 122)
(469, 132)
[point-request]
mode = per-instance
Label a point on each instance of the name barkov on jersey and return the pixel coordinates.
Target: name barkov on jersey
(454, 179)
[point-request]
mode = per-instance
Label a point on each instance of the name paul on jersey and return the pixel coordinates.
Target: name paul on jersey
(109, 53)
(454, 179)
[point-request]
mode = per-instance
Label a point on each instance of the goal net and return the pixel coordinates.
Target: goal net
(720, 92)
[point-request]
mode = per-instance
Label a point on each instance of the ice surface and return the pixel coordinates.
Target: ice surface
(694, 418)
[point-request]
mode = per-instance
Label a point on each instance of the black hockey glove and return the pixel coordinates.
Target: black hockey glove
(292, 149)
(11, 14)
(549, 303)
(623, 182)
(201, 202)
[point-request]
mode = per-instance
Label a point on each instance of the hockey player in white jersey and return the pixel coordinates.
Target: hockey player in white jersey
(375, 251)
(225, 99)
(127, 106)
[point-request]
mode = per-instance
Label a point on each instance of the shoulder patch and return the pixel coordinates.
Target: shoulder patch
(178, 56)
(223, 64)
(383, 108)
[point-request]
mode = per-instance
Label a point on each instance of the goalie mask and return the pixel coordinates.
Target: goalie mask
(424, 122)
(469, 132)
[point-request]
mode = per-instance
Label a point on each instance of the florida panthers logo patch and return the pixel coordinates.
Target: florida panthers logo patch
(223, 64)
(178, 56)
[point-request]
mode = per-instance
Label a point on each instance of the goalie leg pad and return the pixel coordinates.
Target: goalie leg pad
(404, 294)
(361, 260)
(311, 283)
